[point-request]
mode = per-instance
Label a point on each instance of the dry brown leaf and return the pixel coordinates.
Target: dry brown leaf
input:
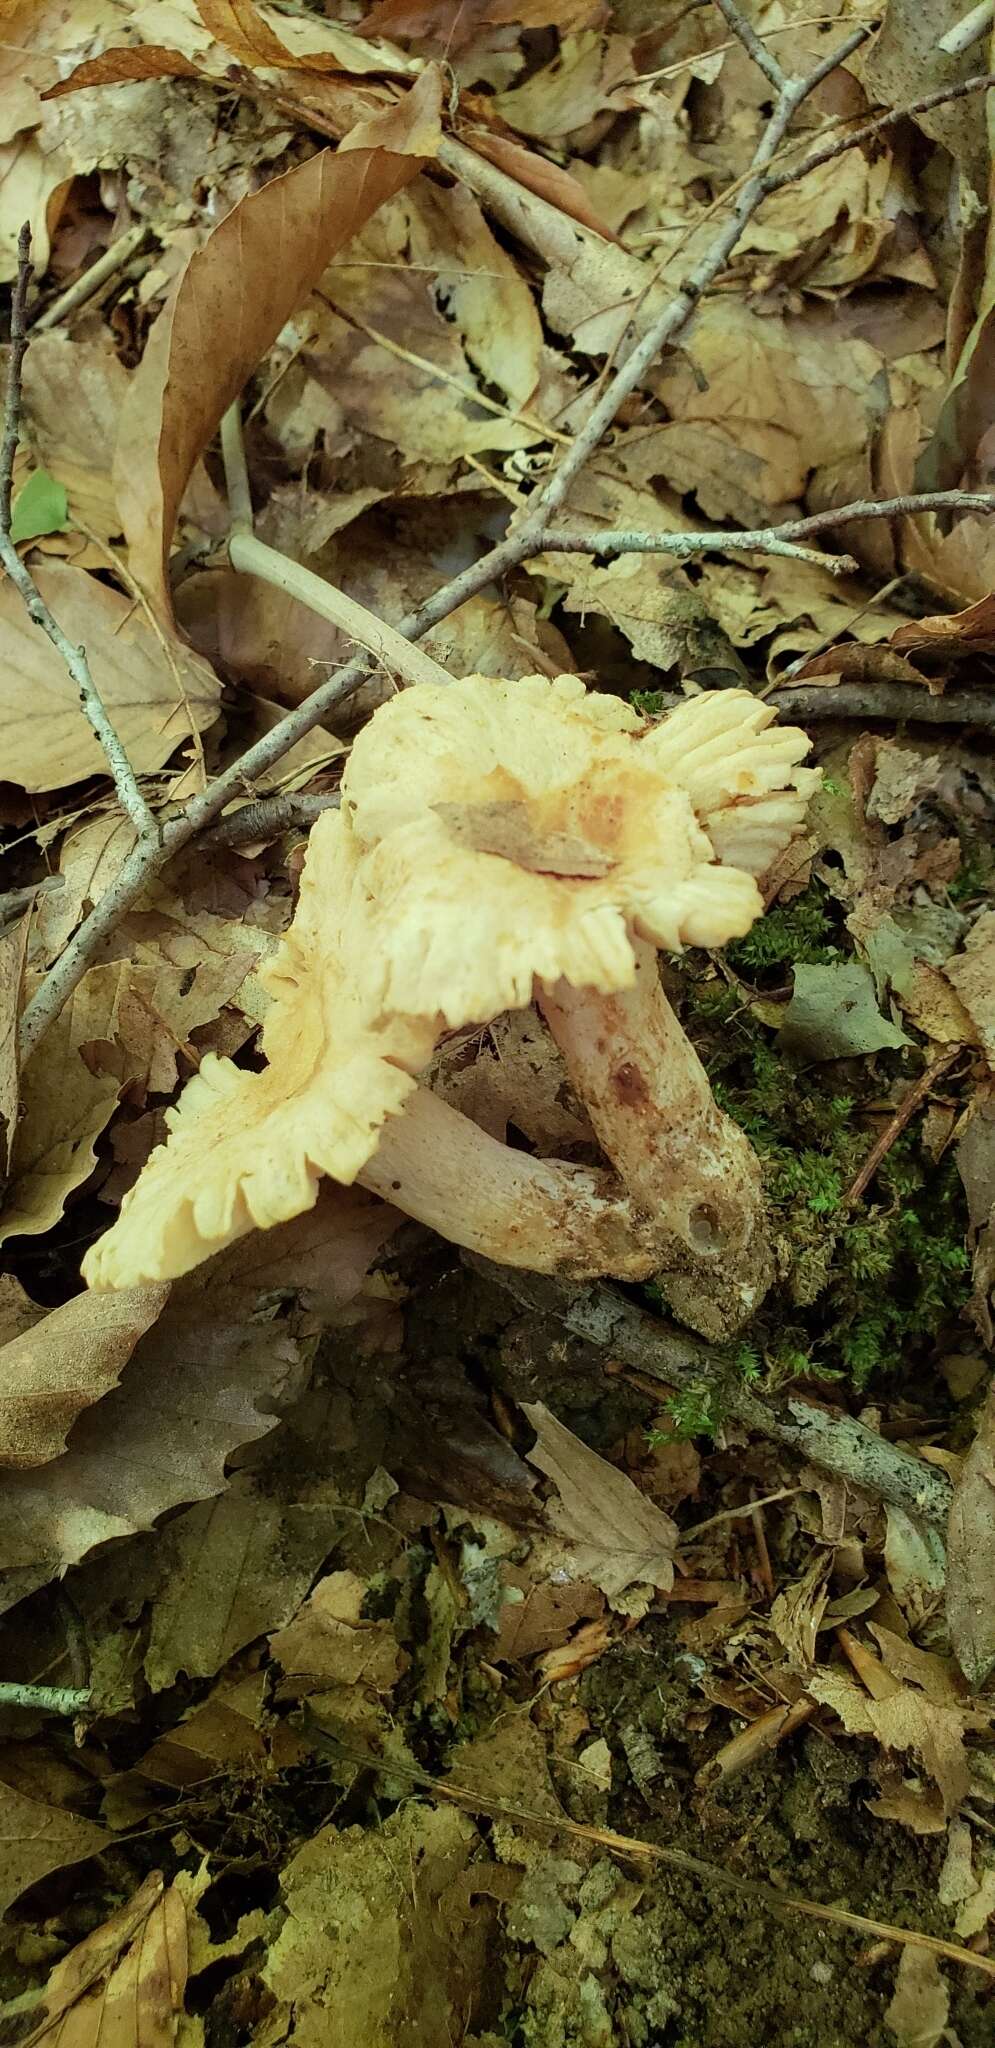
(237, 1568)
(49, 1374)
(617, 1537)
(971, 1555)
(149, 698)
(796, 1614)
(73, 393)
(905, 1720)
(330, 1643)
(205, 1379)
(35, 1838)
(86, 1966)
(589, 75)
(64, 1108)
(972, 973)
(121, 66)
(414, 1963)
(547, 180)
(966, 632)
(230, 305)
(920, 2008)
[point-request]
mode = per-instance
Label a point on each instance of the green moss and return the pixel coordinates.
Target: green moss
(803, 930)
(868, 1289)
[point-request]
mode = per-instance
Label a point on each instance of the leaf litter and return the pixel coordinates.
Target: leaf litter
(333, 1536)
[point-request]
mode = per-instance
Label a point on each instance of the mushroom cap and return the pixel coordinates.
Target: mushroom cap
(492, 833)
(523, 830)
(247, 1150)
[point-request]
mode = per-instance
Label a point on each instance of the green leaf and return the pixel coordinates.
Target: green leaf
(833, 1014)
(41, 506)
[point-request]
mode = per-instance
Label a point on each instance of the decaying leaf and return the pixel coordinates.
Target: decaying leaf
(973, 976)
(618, 1538)
(35, 1838)
(150, 698)
(185, 380)
(63, 1364)
(971, 1555)
(123, 1985)
(918, 2013)
(364, 1955)
(329, 1642)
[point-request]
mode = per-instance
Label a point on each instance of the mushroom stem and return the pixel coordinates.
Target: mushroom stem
(543, 1214)
(681, 1159)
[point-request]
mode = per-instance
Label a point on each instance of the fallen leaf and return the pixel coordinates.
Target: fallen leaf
(920, 2007)
(124, 66)
(905, 1720)
(63, 1364)
(196, 361)
(149, 698)
(797, 1612)
(330, 1643)
(238, 1567)
(35, 1838)
(617, 1537)
(64, 1108)
(972, 973)
(833, 1014)
(80, 1981)
(971, 1555)
(365, 1955)
(74, 389)
(41, 506)
(208, 1377)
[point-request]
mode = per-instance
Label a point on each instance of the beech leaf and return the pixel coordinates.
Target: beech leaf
(619, 1537)
(971, 1555)
(233, 298)
(50, 1373)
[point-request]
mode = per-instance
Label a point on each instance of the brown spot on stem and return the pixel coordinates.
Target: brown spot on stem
(630, 1086)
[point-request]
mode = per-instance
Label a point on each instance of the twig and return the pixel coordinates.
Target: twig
(13, 901)
(752, 44)
(968, 30)
(272, 815)
(45, 1699)
(775, 181)
(761, 541)
(896, 1124)
(634, 1850)
(74, 658)
(83, 288)
(663, 1352)
(901, 701)
(392, 649)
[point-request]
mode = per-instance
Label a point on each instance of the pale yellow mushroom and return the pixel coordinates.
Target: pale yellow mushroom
(500, 841)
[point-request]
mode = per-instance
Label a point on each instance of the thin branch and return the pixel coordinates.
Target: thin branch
(752, 44)
(893, 701)
(967, 31)
(84, 288)
(913, 1100)
(982, 82)
(73, 658)
(762, 541)
(269, 817)
(45, 1699)
(14, 901)
(771, 540)
(393, 650)
(663, 1352)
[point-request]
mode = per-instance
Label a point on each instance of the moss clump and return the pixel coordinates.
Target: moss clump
(864, 1290)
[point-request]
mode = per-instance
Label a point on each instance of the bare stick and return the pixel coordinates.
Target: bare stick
(752, 43)
(761, 541)
(837, 1444)
(289, 812)
(968, 30)
(97, 274)
(893, 701)
(44, 1699)
(903, 1115)
(984, 81)
(74, 658)
(770, 540)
